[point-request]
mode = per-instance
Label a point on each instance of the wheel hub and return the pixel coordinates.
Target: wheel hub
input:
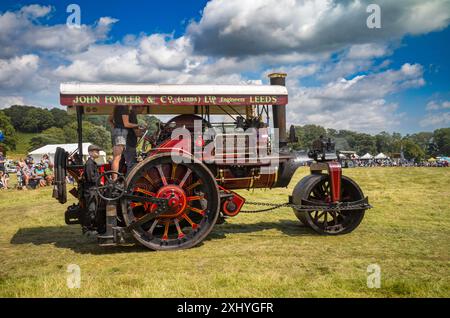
(177, 200)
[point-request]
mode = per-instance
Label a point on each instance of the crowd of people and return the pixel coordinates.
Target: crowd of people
(30, 174)
(351, 163)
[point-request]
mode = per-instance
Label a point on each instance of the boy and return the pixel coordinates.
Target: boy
(90, 176)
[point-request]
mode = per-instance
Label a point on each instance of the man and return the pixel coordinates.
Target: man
(130, 153)
(90, 177)
(2, 162)
(120, 121)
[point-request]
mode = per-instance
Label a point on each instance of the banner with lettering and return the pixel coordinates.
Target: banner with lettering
(188, 100)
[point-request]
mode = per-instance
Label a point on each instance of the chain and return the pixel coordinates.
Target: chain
(272, 206)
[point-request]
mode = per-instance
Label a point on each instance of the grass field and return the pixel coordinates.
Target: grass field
(23, 146)
(265, 255)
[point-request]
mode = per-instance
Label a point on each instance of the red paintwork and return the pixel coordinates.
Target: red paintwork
(178, 100)
(335, 172)
(237, 199)
(177, 199)
(176, 145)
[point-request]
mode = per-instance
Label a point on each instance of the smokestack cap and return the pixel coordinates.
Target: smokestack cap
(277, 75)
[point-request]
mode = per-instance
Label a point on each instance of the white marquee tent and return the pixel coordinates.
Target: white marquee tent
(381, 156)
(50, 150)
(367, 156)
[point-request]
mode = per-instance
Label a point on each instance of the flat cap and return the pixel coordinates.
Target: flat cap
(94, 148)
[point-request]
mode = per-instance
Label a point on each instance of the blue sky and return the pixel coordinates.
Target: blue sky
(340, 74)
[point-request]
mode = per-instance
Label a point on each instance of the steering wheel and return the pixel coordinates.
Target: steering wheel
(112, 189)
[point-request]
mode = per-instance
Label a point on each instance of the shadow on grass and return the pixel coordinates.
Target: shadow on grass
(70, 237)
(287, 227)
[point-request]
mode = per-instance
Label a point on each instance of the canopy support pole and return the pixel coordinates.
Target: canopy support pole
(80, 133)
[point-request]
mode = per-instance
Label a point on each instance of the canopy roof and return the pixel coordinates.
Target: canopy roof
(50, 150)
(381, 156)
(77, 88)
(99, 98)
(367, 156)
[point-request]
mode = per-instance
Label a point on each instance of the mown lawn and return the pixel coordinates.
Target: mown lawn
(265, 255)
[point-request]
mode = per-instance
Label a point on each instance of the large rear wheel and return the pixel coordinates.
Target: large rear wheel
(192, 195)
(315, 188)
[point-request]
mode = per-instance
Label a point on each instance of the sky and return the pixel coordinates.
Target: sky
(341, 73)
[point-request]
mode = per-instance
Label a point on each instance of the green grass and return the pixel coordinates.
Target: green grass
(262, 255)
(22, 147)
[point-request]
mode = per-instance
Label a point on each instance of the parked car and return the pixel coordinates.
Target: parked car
(10, 166)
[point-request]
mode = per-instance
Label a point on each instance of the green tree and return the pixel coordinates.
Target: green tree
(53, 135)
(384, 142)
(10, 141)
(61, 118)
(149, 121)
(30, 119)
(422, 139)
(98, 120)
(442, 140)
(412, 151)
(364, 143)
(91, 133)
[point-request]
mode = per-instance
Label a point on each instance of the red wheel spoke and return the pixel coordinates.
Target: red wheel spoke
(166, 231)
(195, 198)
(180, 232)
(201, 212)
(194, 225)
(135, 204)
(143, 191)
(194, 185)
(161, 174)
(188, 173)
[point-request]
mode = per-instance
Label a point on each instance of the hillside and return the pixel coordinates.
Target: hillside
(23, 145)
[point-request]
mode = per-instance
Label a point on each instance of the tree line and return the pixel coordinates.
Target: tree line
(417, 146)
(56, 126)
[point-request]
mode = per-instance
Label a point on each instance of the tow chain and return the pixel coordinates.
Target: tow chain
(272, 207)
(337, 207)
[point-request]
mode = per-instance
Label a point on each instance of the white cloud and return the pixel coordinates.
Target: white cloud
(354, 103)
(368, 51)
(35, 11)
(237, 28)
(324, 40)
(20, 33)
(437, 105)
(20, 72)
(436, 120)
(6, 101)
